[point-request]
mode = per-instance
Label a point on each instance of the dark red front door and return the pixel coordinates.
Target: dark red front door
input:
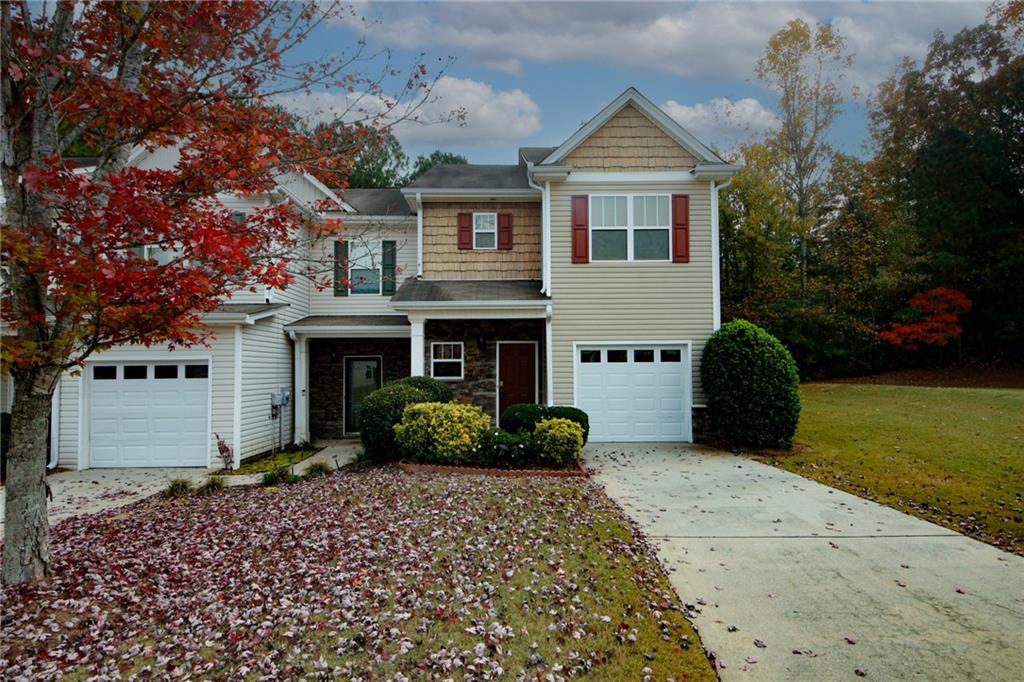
(517, 374)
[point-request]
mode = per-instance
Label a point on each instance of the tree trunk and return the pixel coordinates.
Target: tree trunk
(26, 529)
(803, 265)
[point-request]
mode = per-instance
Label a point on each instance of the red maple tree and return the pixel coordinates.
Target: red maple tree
(120, 78)
(938, 311)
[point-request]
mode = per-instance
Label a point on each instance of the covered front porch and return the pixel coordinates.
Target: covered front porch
(489, 340)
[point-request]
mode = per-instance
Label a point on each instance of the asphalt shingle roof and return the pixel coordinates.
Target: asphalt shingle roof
(535, 154)
(473, 176)
(351, 321)
(377, 202)
(422, 290)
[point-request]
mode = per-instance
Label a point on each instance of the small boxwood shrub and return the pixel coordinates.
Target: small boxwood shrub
(436, 391)
(442, 433)
(752, 386)
(279, 476)
(523, 417)
(558, 442)
(573, 414)
(379, 413)
(504, 450)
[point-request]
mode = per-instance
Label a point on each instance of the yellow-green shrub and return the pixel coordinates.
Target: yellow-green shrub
(558, 442)
(441, 433)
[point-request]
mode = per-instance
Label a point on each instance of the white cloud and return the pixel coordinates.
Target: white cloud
(490, 116)
(701, 40)
(723, 122)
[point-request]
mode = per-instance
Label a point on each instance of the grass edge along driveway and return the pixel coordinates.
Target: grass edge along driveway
(953, 456)
(367, 573)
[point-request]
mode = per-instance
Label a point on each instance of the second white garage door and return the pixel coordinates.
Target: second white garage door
(149, 414)
(635, 392)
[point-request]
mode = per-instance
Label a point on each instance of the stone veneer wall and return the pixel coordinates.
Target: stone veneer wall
(327, 377)
(480, 363)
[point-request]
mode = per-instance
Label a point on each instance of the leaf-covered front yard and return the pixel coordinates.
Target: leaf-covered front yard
(372, 574)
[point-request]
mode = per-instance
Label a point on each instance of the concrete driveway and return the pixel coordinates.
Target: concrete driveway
(770, 558)
(94, 490)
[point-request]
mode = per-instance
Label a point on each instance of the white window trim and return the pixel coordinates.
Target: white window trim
(378, 249)
(629, 227)
(495, 232)
(462, 359)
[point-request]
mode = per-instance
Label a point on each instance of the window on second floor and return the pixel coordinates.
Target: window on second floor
(368, 267)
(630, 227)
(160, 254)
(485, 230)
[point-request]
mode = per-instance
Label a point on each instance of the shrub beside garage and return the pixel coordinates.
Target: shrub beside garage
(752, 387)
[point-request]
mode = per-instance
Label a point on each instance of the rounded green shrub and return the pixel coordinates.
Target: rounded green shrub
(559, 442)
(574, 414)
(437, 391)
(522, 417)
(504, 450)
(442, 433)
(752, 386)
(379, 413)
(317, 469)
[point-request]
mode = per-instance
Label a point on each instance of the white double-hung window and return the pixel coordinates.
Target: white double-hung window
(630, 227)
(485, 230)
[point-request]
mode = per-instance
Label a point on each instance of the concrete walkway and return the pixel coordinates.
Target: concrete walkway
(95, 490)
(768, 556)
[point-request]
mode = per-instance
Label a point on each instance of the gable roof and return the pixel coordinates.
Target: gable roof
(534, 154)
(472, 176)
(377, 202)
(632, 96)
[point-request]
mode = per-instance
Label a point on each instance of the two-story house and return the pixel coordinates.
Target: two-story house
(584, 274)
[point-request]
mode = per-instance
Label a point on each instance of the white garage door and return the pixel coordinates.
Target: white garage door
(149, 414)
(635, 392)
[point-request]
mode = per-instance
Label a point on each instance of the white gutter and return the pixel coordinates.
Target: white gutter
(716, 263)
(419, 235)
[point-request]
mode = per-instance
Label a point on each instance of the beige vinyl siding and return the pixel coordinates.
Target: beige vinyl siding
(625, 301)
(267, 365)
(442, 258)
(629, 142)
(221, 392)
(324, 302)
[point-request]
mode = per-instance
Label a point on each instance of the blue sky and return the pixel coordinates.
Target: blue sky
(531, 73)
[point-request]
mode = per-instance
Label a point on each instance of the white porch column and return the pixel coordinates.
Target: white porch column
(301, 388)
(416, 339)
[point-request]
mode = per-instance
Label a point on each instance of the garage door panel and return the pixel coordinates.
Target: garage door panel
(636, 400)
(149, 422)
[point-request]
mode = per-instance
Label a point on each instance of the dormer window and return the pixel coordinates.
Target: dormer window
(485, 230)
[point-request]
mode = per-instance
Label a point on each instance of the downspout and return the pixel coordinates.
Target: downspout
(545, 228)
(549, 387)
(419, 235)
(716, 262)
(55, 426)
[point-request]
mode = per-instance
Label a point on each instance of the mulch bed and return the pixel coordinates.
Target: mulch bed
(412, 467)
(986, 376)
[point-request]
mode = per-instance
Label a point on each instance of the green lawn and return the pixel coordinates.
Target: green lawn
(954, 456)
(260, 465)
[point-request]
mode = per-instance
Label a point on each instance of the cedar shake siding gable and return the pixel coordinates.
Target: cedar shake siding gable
(445, 258)
(629, 142)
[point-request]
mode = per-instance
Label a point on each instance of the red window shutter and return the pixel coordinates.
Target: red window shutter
(580, 230)
(505, 231)
(680, 228)
(465, 231)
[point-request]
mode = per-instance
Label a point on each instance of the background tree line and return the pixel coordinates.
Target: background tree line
(825, 250)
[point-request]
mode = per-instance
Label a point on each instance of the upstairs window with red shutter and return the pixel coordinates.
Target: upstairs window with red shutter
(630, 227)
(485, 231)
